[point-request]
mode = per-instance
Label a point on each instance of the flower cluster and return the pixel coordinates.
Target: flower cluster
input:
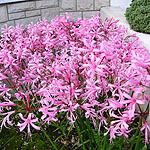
(82, 66)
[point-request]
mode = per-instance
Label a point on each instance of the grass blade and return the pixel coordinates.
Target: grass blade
(76, 125)
(48, 138)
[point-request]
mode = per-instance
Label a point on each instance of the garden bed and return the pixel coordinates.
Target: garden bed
(73, 85)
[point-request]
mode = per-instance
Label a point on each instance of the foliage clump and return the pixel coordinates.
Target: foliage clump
(138, 15)
(70, 69)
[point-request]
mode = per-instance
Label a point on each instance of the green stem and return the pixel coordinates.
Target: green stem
(137, 132)
(133, 139)
(104, 145)
(138, 141)
(121, 143)
(76, 125)
(105, 137)
(98, 141)
(48, 138)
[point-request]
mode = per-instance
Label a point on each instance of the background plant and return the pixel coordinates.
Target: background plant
(138, 15)
(57, 74)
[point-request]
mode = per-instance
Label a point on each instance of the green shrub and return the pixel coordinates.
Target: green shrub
(138, 15)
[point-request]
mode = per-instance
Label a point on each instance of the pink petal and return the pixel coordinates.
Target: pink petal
(22, 126)
(35, 127)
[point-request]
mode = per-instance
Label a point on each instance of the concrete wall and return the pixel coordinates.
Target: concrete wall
(32, 11)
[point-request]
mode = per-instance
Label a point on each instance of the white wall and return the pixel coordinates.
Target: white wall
(9, 1)
(122, 3)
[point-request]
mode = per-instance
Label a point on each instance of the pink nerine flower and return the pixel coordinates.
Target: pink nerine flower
(29, 121)
(6, 119)
(147, 129)
(132, 102)
(82, 66)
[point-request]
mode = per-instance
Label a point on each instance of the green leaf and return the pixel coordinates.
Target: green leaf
(144, 148)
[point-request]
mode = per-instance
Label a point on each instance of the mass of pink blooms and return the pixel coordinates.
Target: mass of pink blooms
(73, 66)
